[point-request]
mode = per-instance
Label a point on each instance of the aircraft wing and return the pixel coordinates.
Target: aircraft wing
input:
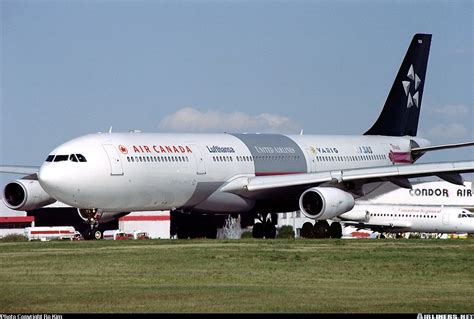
(14, 169)
(246, 185)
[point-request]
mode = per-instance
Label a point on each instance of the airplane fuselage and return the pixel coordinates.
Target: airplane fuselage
(145, 171)
(435, 206)
(411, 218)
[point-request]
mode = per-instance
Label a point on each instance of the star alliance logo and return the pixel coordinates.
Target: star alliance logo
(415, 99)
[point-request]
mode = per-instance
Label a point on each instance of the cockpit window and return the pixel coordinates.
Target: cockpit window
(61, 158)
(81, 158)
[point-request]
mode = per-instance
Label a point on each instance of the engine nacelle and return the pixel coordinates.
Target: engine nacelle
(322, 203)
(356, 215)
(25, 194)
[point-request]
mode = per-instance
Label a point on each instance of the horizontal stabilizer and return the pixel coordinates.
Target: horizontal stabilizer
(418, 150)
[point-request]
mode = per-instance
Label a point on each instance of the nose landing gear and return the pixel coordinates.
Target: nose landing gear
(91, 217)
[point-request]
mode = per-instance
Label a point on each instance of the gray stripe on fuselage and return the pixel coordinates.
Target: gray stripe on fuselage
(274, 153)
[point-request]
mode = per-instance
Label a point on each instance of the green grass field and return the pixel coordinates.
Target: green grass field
(238, 276)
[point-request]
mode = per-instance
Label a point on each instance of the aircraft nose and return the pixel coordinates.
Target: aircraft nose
(49, 178)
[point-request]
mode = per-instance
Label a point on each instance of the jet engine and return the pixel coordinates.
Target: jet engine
(25, 194)
(356, 215)
(322, 203)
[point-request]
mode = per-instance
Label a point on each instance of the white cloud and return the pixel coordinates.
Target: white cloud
(451, 110)
(191, 120)
(448, 132)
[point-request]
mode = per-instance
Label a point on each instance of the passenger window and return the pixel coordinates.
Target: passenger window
(73, 158)
(49, 158)
(81, 158)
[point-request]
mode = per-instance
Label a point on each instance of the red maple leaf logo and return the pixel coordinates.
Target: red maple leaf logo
(123, 149)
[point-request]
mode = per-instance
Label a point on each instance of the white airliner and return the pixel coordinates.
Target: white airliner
(112, 173)
(430, 207)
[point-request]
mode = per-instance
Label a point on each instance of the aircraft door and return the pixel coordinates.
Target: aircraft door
(311, 160)
(200, 163)
(445, 219)
(116, 168)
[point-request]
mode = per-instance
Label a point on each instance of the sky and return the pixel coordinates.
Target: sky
(70, 68)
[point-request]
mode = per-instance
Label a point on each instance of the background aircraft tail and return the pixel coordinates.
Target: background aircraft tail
(401, 111)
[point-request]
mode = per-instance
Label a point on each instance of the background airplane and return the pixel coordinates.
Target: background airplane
(105, 175)
(430, 207)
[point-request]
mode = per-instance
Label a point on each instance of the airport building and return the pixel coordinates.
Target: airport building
(13, 222)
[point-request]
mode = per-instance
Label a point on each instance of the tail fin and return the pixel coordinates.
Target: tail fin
(401, 111)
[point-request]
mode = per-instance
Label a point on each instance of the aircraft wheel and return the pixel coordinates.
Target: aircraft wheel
(269, 230)
(182, 233)
(335, 230)
(321, 229)
(211, 231)
(307, 230)
(257, 230)
(97, 234)
(89, 234)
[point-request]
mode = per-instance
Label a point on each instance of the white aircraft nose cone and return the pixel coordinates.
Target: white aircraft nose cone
(49, 178)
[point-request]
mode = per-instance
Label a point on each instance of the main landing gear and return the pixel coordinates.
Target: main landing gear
(321, 229)
(194, 225)
(266, 227)
(92, 218)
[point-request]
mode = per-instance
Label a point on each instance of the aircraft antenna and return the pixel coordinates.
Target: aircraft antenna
(110, 129)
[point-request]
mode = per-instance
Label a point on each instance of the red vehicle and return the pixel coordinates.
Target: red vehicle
(140, 235)
(116, 235)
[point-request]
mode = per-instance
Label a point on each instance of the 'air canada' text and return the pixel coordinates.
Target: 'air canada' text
(161, 149)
